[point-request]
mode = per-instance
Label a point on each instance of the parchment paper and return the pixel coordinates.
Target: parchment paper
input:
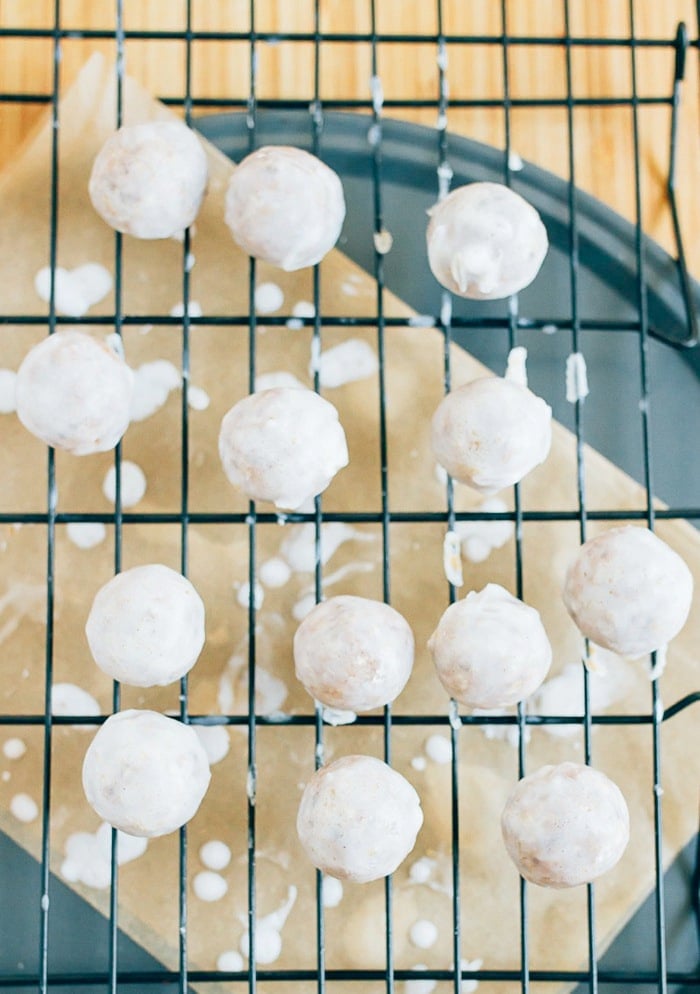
(218, 563)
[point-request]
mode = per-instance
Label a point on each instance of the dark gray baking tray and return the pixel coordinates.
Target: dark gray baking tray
(607, 293)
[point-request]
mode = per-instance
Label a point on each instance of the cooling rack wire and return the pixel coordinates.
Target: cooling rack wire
(386, 34)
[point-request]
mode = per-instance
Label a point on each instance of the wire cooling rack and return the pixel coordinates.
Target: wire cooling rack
(443, 42)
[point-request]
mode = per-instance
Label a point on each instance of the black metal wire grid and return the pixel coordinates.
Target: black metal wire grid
(593, 976)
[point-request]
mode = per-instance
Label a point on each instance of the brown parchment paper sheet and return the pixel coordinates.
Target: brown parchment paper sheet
(218, 564)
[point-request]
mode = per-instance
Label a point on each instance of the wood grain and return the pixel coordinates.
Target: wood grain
(604, 162)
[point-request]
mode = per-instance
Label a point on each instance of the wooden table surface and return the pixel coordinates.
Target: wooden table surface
(603, 135)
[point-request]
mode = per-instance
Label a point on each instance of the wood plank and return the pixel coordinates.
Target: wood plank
(603, 135)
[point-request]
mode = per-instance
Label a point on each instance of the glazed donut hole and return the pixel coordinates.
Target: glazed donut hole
(490, 433)
(146, 626)
(565, 825)
(74, 393)
(282, 445)
(148, 180)
(628, 591)
(485, 241)
(353, 653)
(490, 649)
(358, 819)
(144, 773)
(284, 206)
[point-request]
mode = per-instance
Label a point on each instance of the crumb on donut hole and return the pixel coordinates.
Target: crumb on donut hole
(148, 180)
(358, 819)
(565, 825)
(285, 206)
(485, 241)
(353, 653)
(282, 445)
(146, 626)
(74, 393)
(628, 591)
(144, 773)
(491, 432)
(490, 649)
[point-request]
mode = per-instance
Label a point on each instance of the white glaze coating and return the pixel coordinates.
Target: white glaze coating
(268, 945)
(421, 986)
(628, 591)
(303, 606)
(331, 892)
(282, 445)
(146, 626)
(89, 855)
(565, 825)
(70, 700)
(358, 819)
(74, 393)
(153, 382)
(231, 960)
(516, 365)
(270, 691)
(14, 748)
(215, 855)
(269, 298)
(268, 932)
(243, 595)
(353, 653)
(148, 180)
(194, 309)
(336, 716)
(215, 740)
(86, 534)
(502, 733)
(490, 433)
(304, 309)
(299, 548)
(285, 206)
(611, 679)
(576, 377)
(274, 572)
(24, 808)
(352, 360)
(438, 748)
(209, 886)
(144, 773)
(383, 241)
(470, 986)
(198, 398)
(485, 241)
(490, 650)
(423, 933)
(479, 538)
(132, 484)
(422, 870)
(75, 290)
